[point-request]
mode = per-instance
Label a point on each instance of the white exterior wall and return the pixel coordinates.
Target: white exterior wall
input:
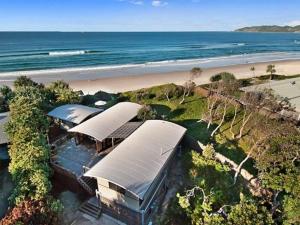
(113, 195)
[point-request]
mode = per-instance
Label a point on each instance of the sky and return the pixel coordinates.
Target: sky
(145, 15)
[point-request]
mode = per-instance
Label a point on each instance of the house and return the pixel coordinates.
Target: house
(287, 89)
(67, 116)
(3, 138)
(133, 177)
(90, 141)
(71, 115)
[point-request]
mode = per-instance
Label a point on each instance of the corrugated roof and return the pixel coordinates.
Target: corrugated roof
(289, 88)
(3, 135)
(136, 162)
(104, 124)
(73, 112)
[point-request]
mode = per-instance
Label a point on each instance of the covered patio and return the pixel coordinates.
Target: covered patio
(108, 128)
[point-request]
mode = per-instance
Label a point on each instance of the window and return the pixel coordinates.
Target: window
(116, 188)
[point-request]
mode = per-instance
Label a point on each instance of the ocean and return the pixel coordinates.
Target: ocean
(147, 51)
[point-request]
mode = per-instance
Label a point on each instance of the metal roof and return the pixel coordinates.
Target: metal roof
(125, 130)
(288, 88)
(3, 136)
(139, 159)
(73, 112)
(104, 124)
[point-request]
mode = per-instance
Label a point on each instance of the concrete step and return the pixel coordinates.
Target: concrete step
(91, 210)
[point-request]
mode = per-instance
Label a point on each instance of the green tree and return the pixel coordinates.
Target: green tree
(271, 70)
(249, 213)
(28, 150)
(6, 94)
(146, 113)
(223, 76)
(279, 170)
(252, 69)
(195, 73)
(23, 81)
(61, 93)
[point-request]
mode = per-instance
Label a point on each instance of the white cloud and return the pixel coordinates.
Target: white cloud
(293, 23)
(159, 3)
(134, 2)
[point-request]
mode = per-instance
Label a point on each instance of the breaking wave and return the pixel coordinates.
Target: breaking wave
(68, 53)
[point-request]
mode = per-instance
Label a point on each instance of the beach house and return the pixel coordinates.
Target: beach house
(90, 141)
(132, 179)
(67, 116)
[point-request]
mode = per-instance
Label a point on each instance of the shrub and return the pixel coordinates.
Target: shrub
(147, 113)
(43, 212)
(224, 76)
(209, 151)
(61, 93)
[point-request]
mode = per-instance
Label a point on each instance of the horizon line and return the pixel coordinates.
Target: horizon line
(158, 31)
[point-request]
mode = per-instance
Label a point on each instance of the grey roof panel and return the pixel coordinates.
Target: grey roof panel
(104, 124)
(137, 161)
(73, 112)
(125, 130)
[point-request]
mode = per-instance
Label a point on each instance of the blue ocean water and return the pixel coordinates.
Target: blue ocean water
(27, 51)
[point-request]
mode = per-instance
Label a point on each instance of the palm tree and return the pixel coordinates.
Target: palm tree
(271, 70)
(253, 70)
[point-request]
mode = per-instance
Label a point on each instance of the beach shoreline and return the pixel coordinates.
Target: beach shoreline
(117, 82)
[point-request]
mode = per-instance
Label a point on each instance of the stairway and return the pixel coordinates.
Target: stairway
(91, 208)
(89, 184)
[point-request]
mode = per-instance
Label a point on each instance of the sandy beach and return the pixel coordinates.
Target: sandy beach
(92, 81)
(127, 83)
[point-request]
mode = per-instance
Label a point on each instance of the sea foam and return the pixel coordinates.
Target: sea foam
(68, 53)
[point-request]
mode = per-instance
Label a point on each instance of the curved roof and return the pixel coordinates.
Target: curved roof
(3, 135)
(137, 161)
(104, 124)
(73, 112)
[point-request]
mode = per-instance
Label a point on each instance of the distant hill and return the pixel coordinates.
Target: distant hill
(270, 29)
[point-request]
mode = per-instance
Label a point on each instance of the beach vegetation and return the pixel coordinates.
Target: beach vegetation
(169, 92)
(33, 212)
(188, 89)
(195, 73)
(60, 93)
(223, 76)
(6, 94)
(271, 70)
(27, 129)
(24, 81)
(252, 69)
(146, 113)
(29, 156)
